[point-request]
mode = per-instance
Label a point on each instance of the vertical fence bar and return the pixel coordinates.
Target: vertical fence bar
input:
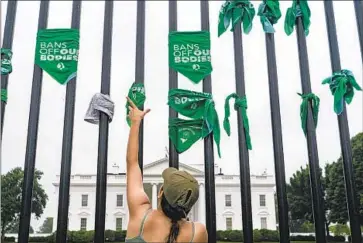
(277, 140)
(315, 180)
(358, 6)
(208, 147)
(140, 67)
(32, 137)
(103, 127)
(7, 43)
(244, 164)
(352, 199)
(173, 81)
(67, 145)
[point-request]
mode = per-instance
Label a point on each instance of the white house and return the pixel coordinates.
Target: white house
(227, 191)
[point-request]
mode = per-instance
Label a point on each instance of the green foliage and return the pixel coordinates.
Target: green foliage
(335, 191)
(299, 195)
(47, 226)
(13, 228)
(340, 229)
(11, 188)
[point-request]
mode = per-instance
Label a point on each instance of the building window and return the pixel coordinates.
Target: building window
(118, 224)
(119, 200)
(229, 223)
(83, 224)
(262, 200)
(264, 223)
(228, 199)
(84, 200)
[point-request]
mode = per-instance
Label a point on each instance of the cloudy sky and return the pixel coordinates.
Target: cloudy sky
(156, 84)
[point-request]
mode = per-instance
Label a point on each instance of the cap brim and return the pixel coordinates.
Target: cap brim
(167, 172)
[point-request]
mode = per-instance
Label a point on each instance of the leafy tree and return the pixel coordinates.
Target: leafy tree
(335, 191)
(11, 188)
(14, 228)
(47, 226)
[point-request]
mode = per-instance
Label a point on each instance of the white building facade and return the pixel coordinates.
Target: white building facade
(227, 191)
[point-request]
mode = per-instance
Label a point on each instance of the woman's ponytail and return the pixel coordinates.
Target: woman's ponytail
(175, 214)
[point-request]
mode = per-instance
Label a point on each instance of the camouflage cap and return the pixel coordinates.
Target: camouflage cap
(180, 188)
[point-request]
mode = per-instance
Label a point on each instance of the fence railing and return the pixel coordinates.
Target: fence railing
(316, 190)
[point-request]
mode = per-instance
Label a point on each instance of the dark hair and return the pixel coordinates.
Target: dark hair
(175, 214)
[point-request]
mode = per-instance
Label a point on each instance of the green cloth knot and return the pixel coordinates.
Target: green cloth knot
(315, 101)
(298, 9)
(6, 67)
(235, 11)
(269, 12)
(197, 105)
(4, 95)
(239, 103)
(342, 85)
(137, 95)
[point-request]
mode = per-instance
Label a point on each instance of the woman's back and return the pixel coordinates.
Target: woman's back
(155, 227)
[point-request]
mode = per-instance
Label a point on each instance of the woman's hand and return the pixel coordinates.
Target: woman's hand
(135, 114)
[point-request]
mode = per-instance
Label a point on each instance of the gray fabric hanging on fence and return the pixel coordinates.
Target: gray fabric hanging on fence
(99, 103)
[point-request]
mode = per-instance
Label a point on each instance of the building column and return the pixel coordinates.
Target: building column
(154, 196)
(201, 208)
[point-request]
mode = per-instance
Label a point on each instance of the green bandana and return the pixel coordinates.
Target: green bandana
(197, 105)
(342, 86)
(57, 53)
(137, 95)
(235, 11)
(184, 133)
(189, 54)
(298, 9)
(315, 101)
(6, 55)
(269, 12)
(4, 95)
(239, 103)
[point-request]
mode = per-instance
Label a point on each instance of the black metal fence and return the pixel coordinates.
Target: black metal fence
(63, 204)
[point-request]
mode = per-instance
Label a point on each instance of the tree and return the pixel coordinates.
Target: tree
(11, 188)
(47, 226)
(300, 199)
(14, 228)
(335, 191)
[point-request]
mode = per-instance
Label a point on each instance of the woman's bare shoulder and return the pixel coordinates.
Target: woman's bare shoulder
(200, 235)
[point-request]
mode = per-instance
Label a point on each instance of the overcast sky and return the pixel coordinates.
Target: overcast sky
(156, 84)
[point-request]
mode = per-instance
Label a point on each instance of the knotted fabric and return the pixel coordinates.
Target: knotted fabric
(315, 101)
(269, 12)
(99, 103)
(6, 67)
(184, 133)
(235, 11)
(239, 103)
(4, 95)
(137, 95)
(298, 9)
(342, 85)
(197, 105)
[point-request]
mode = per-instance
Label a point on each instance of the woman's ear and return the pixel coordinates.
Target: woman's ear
(160, 192)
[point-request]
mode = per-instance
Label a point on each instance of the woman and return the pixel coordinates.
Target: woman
(176, 197)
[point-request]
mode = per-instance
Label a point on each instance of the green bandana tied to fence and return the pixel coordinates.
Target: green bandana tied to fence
(269, 12)
(184, 133)
(4, 95)
(298, 9)
(57, 53)
(137, 95)
(342, 85)
(239, 103)
(6, 67)
(234, 11)
(197, 105)
(315, 101)
(189, 54)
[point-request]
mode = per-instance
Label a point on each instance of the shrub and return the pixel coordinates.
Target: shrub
(235, 235)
